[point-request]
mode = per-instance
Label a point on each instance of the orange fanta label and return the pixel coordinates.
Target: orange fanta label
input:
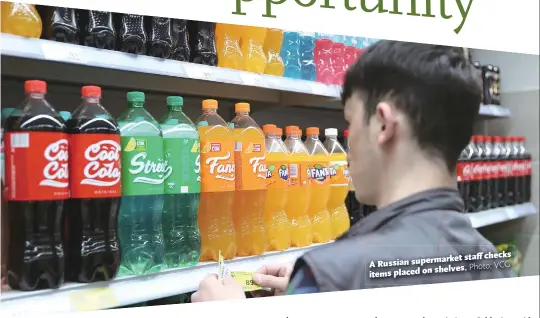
(250, 158)
(338, 172)
(277, 175)
(217, 163)
(318, 174)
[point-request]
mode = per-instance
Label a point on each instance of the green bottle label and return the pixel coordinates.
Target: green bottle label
(183, 156)
(144, 168)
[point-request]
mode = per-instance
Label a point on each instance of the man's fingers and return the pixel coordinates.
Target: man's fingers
(195, 297)
(272, 269)
(228, 280)
(269, 281)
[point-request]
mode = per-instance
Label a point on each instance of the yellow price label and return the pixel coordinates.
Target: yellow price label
(246, 280)
(93, 299)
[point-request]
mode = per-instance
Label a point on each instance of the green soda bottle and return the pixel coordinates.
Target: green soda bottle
(182, 187)
(144, 170)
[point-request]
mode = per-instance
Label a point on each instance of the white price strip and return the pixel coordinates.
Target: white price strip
(323, 89)
(61, 52)
(93, 299)
(252, 79)
(203, 72)
(512, 213)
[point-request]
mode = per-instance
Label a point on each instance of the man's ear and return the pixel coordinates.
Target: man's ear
(386, 117)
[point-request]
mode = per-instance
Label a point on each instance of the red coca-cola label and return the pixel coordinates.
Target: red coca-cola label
(464, 171)
(528, 167)
(495, 169)
(95, 165)
(36, 166)
(519, 168)
(477, 170)
(504, 168)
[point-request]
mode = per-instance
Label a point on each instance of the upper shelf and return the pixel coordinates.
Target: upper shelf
(78, 65)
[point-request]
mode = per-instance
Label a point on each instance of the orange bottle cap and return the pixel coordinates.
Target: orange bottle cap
(292, 130)
(35, 86)
(312, 131)
(268, 128)
(279, 132)
(91, 91)
(209, 104)
(241, 107)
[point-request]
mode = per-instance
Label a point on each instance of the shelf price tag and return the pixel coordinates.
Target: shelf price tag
(62, 53)
(246, 280)
(202, 72)
(252, 79)
(93, 299)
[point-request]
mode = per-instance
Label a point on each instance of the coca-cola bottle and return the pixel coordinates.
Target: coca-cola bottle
(527, 158)
(487, 185)
(509, 157)
(523, 174)
(464, 173)
(516, 170)
(474, 170)
(37, 184)
(499, 173)
(92, 248)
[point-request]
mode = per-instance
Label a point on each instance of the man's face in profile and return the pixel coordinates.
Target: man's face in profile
(363, 155)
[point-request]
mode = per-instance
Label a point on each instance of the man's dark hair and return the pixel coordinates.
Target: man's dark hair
(436, 87)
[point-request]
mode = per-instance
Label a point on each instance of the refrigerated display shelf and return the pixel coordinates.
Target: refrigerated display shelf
(75, 64)
(499, 215)
(130, 290)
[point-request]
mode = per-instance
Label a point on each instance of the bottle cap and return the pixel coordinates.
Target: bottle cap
(497, 138)
(175, 101)
(269, 128)
(312, 131)
(91, 91)
(292, 130)
(330, 132)
(241, 107)
(133, 97)
(65, 115)
(35, 86)
(346, 133)
(209, 104)
(279, 132)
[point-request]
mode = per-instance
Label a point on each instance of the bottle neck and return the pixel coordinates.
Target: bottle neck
(242, 113)
(136, 104)
(175, 108)
(292, 136)
(209, 111)
(36, 95)
(313, 137)
(91, 100)
(332, 138)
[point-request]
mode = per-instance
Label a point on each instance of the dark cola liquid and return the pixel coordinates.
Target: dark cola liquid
(92, 247)
(35, 252)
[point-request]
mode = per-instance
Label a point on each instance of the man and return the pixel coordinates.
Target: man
(411, 109)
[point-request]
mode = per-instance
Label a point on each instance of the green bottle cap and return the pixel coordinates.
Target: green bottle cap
(65, 115)
(202, 123)
(6, 112)
(135, 97)
(175, 101)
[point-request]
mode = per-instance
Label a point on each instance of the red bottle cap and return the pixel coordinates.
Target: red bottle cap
(346, 133)
(91, 91)
(35, 86)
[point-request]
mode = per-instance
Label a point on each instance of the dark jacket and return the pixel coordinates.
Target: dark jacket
(429, 226)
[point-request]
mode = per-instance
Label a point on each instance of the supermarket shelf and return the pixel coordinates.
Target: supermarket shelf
(129, 290)
(74, 64)
(499, 215)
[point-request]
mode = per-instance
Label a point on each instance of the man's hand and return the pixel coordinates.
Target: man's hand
(212, 289)
(275, 277)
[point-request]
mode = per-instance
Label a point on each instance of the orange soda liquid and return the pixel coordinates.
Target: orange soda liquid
(320, 187)
(339, 180)
(278, 228)
(272, 48)
(299, 189)
(21, 19)
(252, 49)
(250, 159)
(217, 185)
(228, 46)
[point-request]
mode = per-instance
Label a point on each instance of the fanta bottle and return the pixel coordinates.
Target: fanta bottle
(21, 19)
(250, 159)
(228, 46)
(278, 228)
(272, 48)
(299, 189)
(339, 183)
(252, 48)
(217, 184)
(320, 187)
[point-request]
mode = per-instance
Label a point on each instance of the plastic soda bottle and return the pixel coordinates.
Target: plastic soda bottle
(21, 19)
(290, 53)
(37, 182)
(217, 184)
(252, 49)
(320, 187)
(182, 187)
(144, 170)
(278, 228)
(299, 189)
(90, 232)
(306, 50)
(228, 46)
(250, 159)
(272, 49)
(339, 183)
